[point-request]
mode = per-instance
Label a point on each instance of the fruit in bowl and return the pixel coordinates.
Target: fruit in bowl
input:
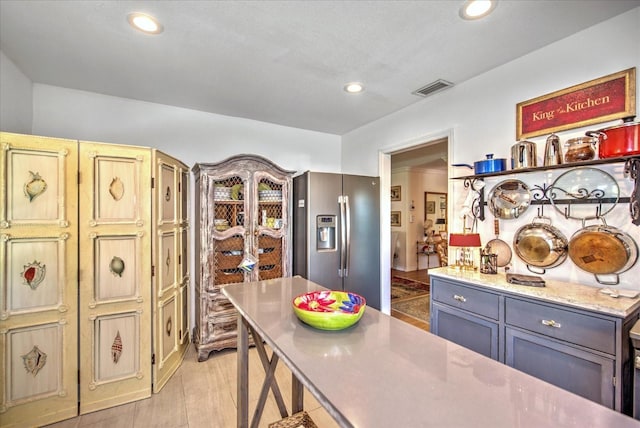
(329, 310)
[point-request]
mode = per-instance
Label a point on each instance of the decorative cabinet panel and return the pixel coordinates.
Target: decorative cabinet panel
(170, 266)
(242, 234)
(115, 275)
(38, 280)
(94, 262)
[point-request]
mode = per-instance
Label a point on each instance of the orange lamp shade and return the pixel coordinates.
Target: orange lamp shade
(464, 240)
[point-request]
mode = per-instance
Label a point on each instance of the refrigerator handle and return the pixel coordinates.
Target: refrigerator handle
(343, 236)
(347, 235)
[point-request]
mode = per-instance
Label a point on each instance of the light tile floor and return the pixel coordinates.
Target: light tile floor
(202, 395)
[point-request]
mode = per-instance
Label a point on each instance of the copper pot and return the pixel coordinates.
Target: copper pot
(620, 140)
(603, 250)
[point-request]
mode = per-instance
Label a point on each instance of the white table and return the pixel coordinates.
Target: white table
(383, 372)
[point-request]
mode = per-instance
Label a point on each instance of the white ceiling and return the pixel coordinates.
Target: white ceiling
(283, 62)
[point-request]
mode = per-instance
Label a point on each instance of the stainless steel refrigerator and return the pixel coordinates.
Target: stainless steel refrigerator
(336, 232)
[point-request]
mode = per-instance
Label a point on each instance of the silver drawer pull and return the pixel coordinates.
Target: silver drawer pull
(551, 323)
(459, 298)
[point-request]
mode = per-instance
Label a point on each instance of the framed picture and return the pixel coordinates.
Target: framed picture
(596, 101)
(431, 207)
(396, 193)
(395, 218)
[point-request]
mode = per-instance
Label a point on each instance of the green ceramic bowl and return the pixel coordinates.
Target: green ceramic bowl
(329, 310)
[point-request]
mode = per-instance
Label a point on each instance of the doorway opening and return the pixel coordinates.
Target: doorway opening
(418, 225)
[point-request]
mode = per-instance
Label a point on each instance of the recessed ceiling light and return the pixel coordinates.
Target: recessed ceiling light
(476, 9)
(145, 23)
(353, 87)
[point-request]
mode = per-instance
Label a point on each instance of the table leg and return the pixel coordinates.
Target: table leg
(243, 373)
(297, 395)
(266, 364)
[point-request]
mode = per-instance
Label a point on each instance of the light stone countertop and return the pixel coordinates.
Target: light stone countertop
(383, 372)
(575, 295)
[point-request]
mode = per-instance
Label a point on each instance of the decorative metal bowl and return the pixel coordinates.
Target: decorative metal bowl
(329, 310)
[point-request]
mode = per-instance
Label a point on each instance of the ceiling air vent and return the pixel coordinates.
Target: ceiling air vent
(432, 88)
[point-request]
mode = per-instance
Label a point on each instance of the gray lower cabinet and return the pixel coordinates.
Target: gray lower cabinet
(584, 373)
(466, 316)
(465, 329)
(582, 351)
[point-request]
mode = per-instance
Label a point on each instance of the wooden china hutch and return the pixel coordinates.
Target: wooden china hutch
(242, 223)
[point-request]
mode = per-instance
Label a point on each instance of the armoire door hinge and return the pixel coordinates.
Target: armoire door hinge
(153, 359)
(153, 271)
(153, 183)
(78, 177)
(179, 187)
(614, 381)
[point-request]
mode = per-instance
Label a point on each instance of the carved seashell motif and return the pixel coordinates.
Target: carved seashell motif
(116, 266)
(33, 274)
(116, 348)
(116, 189)
(34, 360)
(35, 187)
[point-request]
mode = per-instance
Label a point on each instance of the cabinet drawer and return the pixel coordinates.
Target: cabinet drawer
(218, 303)
(562, 324)
(222, 327)
(469, 299)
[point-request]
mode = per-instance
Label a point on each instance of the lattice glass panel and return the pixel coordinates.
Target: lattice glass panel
(270, 257)
(270, 204)
(228, 197)
(227, 255)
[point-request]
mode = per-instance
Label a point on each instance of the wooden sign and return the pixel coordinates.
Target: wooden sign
(596, 101)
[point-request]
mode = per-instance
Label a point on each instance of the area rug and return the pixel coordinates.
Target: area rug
(403, 288)
(417, 307)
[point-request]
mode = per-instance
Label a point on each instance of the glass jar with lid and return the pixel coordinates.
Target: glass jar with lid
(580, 149)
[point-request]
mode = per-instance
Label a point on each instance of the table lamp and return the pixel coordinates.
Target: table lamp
(465, 242)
